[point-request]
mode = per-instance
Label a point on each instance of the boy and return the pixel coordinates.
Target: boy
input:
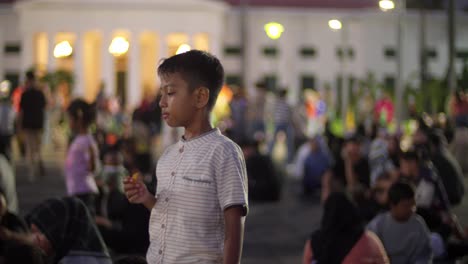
(403, 233)
(198, 212)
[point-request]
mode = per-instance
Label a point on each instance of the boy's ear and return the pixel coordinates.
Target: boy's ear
(202, 97)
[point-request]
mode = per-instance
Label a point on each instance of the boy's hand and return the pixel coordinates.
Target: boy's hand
(136, 192)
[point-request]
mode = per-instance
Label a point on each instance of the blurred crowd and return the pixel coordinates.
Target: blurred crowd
(387, 195)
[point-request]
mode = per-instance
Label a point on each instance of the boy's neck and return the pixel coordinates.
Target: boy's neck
(197, 128)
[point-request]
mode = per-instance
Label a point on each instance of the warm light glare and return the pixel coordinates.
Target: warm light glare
(335, 24)
(386, 5)
(63, 49)
(274, 30)
(119, 46)
(183, 48)
(4, 88)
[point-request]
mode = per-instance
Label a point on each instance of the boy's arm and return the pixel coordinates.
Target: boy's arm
(233, 234)
(150, 202)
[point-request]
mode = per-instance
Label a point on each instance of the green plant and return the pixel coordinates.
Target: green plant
(54, 79)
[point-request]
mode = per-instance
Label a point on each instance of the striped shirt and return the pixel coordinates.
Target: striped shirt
(197, 180)
(282, 113)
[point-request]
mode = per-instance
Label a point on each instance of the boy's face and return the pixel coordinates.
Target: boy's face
(403, 211)
(178, 101)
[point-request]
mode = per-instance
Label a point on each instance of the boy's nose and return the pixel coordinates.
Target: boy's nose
(162, 101)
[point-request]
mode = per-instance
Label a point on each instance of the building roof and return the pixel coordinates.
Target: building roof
(290, 3)
(309, 3)
(461, 4)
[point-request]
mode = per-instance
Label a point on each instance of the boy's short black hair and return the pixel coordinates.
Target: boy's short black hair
(400, 191)
(197, 68)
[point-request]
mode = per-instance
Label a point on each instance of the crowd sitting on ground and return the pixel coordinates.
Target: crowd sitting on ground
(404, 197)
(383, 193)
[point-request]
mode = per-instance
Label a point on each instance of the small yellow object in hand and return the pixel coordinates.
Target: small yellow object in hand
(135, 176)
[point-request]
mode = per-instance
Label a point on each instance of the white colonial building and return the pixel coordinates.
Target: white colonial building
(118, 43)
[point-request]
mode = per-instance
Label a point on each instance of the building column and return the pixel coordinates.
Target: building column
(2, 45)
(162, 53)
(191, 40)
(216, 45)
(134, 89)
(51, 62)
(78, 68)
(108, 69)
(27, 53)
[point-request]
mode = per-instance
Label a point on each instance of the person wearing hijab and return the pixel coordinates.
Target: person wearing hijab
(64, 230)
(342, 237)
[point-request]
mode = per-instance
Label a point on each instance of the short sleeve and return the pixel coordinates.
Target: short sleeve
(231, 178)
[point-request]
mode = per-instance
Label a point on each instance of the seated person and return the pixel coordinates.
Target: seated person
(350, 170)
(113, 167)
(312, 162)
(112, 171)
(12, 228)
(65, 232)
(342, 237)
(9, 220)
(264, 183)
(403, 233)
(124, 226)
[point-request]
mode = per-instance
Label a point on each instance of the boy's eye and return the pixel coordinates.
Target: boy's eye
(170, 93)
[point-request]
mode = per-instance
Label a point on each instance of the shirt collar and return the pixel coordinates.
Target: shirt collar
(198, 140)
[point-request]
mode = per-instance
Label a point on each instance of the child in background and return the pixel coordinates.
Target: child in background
(113, 170)
(83, 156)
(403, 233)
(109, 180)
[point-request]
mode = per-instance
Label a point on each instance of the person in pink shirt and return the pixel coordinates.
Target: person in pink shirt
(342, 237)
(384, 110)
(82, 161)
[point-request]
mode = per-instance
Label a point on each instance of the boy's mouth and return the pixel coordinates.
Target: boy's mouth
(165, 116)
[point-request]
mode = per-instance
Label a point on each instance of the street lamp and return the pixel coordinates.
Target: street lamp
(119, 46)
(337, 25)
(63, 49)
(386, 5)
(274, 30)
